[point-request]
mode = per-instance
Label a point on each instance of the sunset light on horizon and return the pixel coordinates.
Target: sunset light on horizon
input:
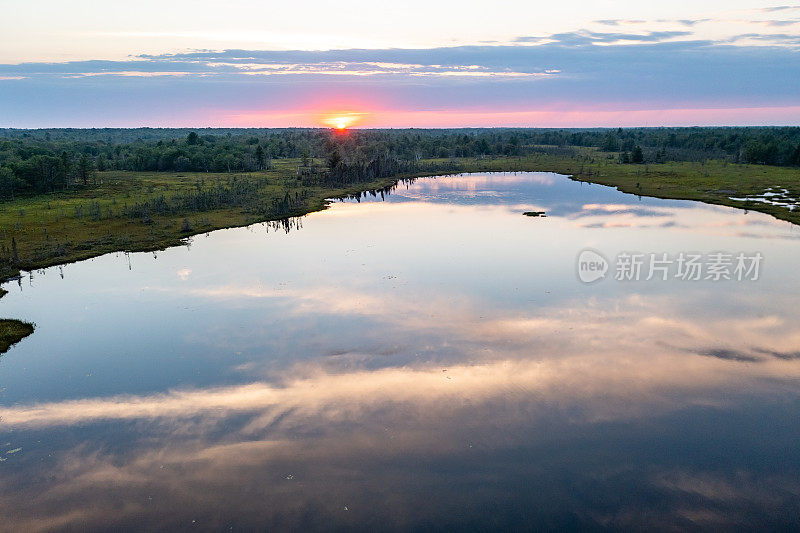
(558, 118)
(575, 64)
(341, 120)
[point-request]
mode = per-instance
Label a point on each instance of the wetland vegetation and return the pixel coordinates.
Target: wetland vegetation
(13, 331)
(74, 194)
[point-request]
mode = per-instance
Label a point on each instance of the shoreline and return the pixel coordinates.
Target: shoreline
(656, 181)
(664, 182)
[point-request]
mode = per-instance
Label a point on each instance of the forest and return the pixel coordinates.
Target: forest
(52, 160)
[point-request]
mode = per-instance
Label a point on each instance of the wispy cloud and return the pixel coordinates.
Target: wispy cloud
(127, 74)
(580, 38)
(537, 78)
(781, 38)
(689, 22)
(251, 63)
(633, 22)
(619, 22)
(777, 9)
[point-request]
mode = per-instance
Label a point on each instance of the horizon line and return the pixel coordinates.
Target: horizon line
(324, 128)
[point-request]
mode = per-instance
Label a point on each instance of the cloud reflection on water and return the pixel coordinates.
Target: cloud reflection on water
(415, 399)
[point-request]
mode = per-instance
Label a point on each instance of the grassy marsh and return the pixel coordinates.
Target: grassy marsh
(45, 230)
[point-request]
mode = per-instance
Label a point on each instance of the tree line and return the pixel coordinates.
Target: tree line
(50, 160)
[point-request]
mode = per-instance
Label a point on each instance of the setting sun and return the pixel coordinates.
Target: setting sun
(341, 121)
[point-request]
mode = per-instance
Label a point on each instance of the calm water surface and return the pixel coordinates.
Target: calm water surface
(426, 360)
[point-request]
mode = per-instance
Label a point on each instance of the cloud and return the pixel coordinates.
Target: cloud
(787, 356)
(776, 38)
(581, 38)
(779, 23)
(577, 72)
(250, 63)
(624, 22)
(730, 355)
(619, 22)
(778, 9)
(690, 22)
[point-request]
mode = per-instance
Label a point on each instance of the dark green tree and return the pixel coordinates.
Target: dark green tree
(611, 142)
(334, 158)
(795, 161)
(85, 168)
(261, 158)
(10, 184)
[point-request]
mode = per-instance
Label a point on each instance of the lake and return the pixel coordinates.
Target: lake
(424, 359)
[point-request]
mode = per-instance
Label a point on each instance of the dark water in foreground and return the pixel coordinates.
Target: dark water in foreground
(430, 361)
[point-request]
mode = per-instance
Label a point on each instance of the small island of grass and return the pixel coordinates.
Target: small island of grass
(13, 331)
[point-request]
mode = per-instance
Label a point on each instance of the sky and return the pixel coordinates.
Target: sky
(573, 63)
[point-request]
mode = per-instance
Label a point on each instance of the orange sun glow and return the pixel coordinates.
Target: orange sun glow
(341, 121)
